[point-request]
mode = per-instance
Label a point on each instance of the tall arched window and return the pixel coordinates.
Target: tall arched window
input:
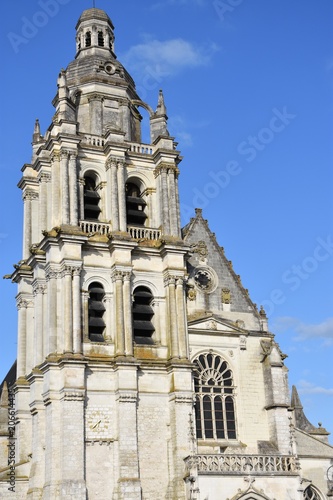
(100, 39)
(143, 313)
(88, 39)
(135, 205)
(310, 494)
(96, 311)
(91, 199)
(215, 406)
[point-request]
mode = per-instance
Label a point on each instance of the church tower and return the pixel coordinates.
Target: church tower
(103, 356)
(144, 370)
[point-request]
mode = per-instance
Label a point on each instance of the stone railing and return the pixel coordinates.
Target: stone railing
(93, 140)
(144, 149)
(146, 233)
(95, 227)
(243, 464)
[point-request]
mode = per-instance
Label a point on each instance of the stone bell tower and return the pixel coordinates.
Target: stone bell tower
(104, 387)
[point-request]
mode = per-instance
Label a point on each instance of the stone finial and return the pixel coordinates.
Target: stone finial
(161, 108)
(36, 135)
(198, 211)
(262, 312)
(62, 82)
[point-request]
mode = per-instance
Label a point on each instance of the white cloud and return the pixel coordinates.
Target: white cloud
(166, 58)
(323, 330)
(306, 387)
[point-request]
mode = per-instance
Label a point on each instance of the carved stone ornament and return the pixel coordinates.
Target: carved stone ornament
(226, 296)
(266, 348)
(191, 294)
(201, 249)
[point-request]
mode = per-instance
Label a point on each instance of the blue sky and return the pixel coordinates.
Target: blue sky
(248, 87)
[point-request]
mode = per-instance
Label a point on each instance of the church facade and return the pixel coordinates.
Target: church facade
(144, 370)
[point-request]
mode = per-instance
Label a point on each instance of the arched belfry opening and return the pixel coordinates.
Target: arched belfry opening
(96, 308)
(143, 314)
(135, 204)
(91, 198)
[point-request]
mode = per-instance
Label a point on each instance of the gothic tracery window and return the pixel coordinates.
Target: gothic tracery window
(215, 406)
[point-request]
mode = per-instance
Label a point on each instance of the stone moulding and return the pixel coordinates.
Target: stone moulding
(243, 464)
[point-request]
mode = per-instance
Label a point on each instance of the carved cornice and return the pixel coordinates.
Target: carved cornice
(166, 167)
(114, 162)
(22, 304)
(30, 195)
(127, 397)
(44, 177)
(38, 288)
(96, 97)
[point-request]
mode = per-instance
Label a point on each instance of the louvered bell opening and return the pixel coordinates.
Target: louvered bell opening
(91, 211)
(91, 195)
(91, 204)
(142, 309)
(135, 210)
(97, 306)
(96, 329)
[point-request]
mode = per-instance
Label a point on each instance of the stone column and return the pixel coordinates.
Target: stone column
(165, 201)
(117, 279)
(38, 350)
(64, 187)
(107, 301)
(81, 198)
(27, 197)
(73, 189)
(22, 337)
(172, 309)
(55, 215)
(128, 315)
(172, 202)
(122, 197)
(68, 312)
(85, 316)
(43, 222)
(177, 202)
(51, 340)
(108, 197)
(181, 320)
(129, 487)
(77, 341)
(96, 113)
(114, 196)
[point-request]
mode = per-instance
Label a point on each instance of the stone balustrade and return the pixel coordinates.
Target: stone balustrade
(93, 140)
(95, 227)
(135, 232)
(243, 464)
(147, 233)
(145, 149)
